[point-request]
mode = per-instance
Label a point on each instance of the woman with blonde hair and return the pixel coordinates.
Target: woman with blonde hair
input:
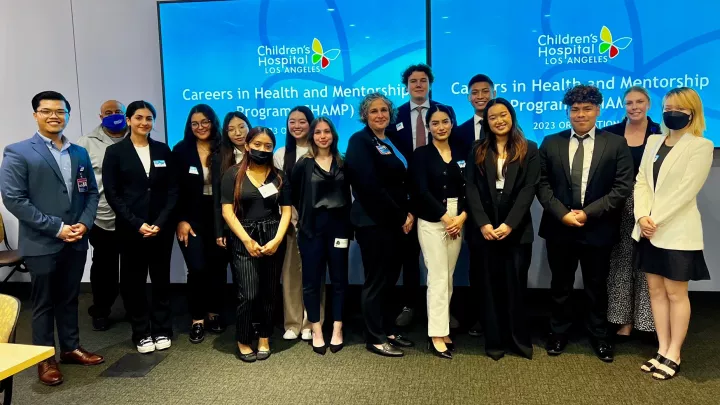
(668, 227)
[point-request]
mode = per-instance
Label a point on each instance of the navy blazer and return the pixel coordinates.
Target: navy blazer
(135, 197)
(403, 138)
(34, 191)
(462, 137)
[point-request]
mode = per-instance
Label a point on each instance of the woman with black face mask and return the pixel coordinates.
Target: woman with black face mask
(668, 227)
(256, 205)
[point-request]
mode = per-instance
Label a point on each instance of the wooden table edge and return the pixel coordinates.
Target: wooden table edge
(49, 352)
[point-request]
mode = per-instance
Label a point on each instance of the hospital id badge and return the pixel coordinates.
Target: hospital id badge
(82, 184)
(383, 149)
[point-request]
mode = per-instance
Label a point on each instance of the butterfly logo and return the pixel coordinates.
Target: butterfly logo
(613, 47)
(324, 57)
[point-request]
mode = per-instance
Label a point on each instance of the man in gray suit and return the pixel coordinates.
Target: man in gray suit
(49, 185)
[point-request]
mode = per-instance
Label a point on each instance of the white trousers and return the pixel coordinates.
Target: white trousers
(441, 253)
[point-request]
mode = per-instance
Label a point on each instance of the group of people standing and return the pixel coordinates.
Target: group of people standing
(619, 201)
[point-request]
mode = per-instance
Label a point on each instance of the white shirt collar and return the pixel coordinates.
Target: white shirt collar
(425, 105)
(477, 118)
(591, 133)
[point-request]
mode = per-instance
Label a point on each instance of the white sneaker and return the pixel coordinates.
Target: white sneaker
(146, 345)
(162, 342)
(306, 334)
(290, 335)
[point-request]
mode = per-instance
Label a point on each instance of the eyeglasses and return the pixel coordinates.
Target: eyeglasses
(203, 123)
(49, 113)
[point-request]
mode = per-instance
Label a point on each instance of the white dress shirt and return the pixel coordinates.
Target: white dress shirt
(588, 148)
(413, 121)
(500, 179)
(238, 155)
(478, 125)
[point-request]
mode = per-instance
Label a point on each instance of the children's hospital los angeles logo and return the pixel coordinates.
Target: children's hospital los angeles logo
(559, 49)
(295, 59)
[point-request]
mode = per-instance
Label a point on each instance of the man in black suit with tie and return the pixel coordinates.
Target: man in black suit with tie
(480, 91)
(586, 175)
(408, 133)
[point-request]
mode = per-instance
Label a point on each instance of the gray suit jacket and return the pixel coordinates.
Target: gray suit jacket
(34, 191)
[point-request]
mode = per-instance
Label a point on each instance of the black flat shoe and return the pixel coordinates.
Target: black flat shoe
(649, 367)
(263, 355)
(215, 324)
(336, 348)
(247, 358)
(556, 344)
(197, 333)
(100, 324)
(443, 355)
(603, 350)
(476, 330)
(400, 341)
(320, 350)
(385, 350)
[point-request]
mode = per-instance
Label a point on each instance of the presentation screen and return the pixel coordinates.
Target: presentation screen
(265, 57)
(535, 50)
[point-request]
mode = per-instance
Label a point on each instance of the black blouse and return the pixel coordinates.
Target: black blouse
(635, 151)
(327, 187)
(659, 159)
(254, 206)
(434, 181)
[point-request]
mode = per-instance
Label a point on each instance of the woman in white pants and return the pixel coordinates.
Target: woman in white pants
(438, 198)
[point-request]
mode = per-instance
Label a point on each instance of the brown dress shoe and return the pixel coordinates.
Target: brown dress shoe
(49, 373)
(82, 357)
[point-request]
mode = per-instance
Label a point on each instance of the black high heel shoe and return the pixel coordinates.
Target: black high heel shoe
(443, 355)
(319, 350)
(450, 346)
(336, 348)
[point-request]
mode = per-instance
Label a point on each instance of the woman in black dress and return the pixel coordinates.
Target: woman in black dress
(674, 168)
(501, 185)
(628, 297)
(256, 207)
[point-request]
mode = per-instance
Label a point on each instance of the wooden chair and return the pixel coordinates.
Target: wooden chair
(9, 313)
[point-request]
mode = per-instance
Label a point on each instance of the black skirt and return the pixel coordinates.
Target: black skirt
(677, 265)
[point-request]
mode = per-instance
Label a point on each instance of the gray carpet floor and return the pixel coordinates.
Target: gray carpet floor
(210, 373)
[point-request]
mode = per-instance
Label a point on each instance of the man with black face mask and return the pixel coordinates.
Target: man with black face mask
(104, 272)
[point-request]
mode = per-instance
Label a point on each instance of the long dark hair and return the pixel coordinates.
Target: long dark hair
(225, 151)
(242, 170)
(334, 152)
(290, 142)
(214, 139)
(516, 146)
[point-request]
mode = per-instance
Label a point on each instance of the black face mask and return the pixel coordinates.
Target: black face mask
(675, 119)
(260, 157)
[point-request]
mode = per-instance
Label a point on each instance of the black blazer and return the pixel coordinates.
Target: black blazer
(302, 196)
(513, 209)
(463, 137)
(135, 197)
(635, 151)
(610, 182)
(403, 139)
(185, 156)
(221, 228)
(429, 177)
(378, 182)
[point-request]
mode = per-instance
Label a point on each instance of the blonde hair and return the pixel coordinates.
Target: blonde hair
(685, 97)
(637, 89)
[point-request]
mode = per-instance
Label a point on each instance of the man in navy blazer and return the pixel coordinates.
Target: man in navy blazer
(480, 91)
(49, 185)
(408, 133)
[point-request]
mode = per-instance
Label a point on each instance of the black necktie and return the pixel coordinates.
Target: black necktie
(577, 172)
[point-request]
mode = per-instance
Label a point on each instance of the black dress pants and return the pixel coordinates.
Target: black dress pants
(104, 271)
(380, 248)
(411, 268)
(55, 285)
(257, 279)
(138, 258)
(563, 259)
(207, 265)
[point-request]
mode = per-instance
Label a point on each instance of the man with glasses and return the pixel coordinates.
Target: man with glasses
(585, 176)
(105, 269)
(49, 185)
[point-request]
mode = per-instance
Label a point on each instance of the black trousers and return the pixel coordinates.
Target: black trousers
(594, 262)
(257, 280)
(138, 258)
(411, 268)
(319, 253)
(379, 248)
(504, 272)
(105, 271)
(207, 265)
(55, 285)
(475, 301)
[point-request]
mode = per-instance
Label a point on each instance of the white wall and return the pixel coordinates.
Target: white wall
(93, 50)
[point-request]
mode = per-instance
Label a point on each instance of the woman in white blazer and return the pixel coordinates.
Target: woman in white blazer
(668, 228)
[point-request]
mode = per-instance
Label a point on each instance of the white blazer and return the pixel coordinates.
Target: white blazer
(672, 204)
